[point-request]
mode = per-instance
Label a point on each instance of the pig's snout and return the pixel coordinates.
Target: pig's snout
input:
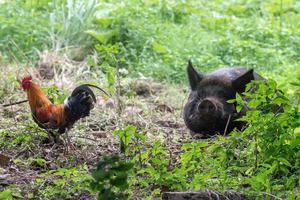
(206, 106)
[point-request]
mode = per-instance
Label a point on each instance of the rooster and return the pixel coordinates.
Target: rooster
(59, 117)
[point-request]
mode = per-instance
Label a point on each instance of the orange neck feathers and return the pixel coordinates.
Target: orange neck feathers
(36, 97)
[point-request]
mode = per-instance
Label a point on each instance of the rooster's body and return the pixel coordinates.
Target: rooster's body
(62, 116)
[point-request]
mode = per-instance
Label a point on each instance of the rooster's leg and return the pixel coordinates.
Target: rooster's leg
(54, 139)
(50, 140)
(66, 148)
(69, 144)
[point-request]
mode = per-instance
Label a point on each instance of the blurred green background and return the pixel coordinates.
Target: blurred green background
(155, 38)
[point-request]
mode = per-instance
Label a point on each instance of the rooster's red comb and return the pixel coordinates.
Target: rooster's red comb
(27, 78)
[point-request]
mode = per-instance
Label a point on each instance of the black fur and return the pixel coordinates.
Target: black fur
(215, 88)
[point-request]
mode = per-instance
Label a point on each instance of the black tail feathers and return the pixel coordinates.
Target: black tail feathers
(95, 86)
(79, 104)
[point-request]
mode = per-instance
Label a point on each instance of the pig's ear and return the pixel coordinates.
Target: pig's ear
(239, 84)
(194, 76)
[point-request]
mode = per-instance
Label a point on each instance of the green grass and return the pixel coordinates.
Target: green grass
(158, 37)
(28, 27)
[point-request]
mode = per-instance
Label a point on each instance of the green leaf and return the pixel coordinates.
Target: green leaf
(60, 182)
(239, 98)
(231, 101)
(280, 100)
(120, 180)
(239, 108)
(6, 195)
(285, 162)
(30, 195)
(248, 87)
(202, 144)
(110, 77)
(40, 162)
(254, 103)
(156, 191)
(159, 48)
(104, 22)
(124, 166)
(102, 36)
(272, 83)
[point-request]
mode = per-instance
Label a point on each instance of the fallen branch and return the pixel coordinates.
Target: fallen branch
(204, 194)
(14, 103)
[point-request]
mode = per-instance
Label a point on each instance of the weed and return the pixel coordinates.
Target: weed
(110, 178)
(62, 182)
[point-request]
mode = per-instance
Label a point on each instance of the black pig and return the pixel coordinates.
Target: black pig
(207, 110)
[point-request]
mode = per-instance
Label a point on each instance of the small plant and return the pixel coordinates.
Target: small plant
(266, 151)
(110, 179)
(69, 21)
(260, 160)
(62, 183)
(10, 194)
(127, 135)
(156, 169)
(56, 95)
